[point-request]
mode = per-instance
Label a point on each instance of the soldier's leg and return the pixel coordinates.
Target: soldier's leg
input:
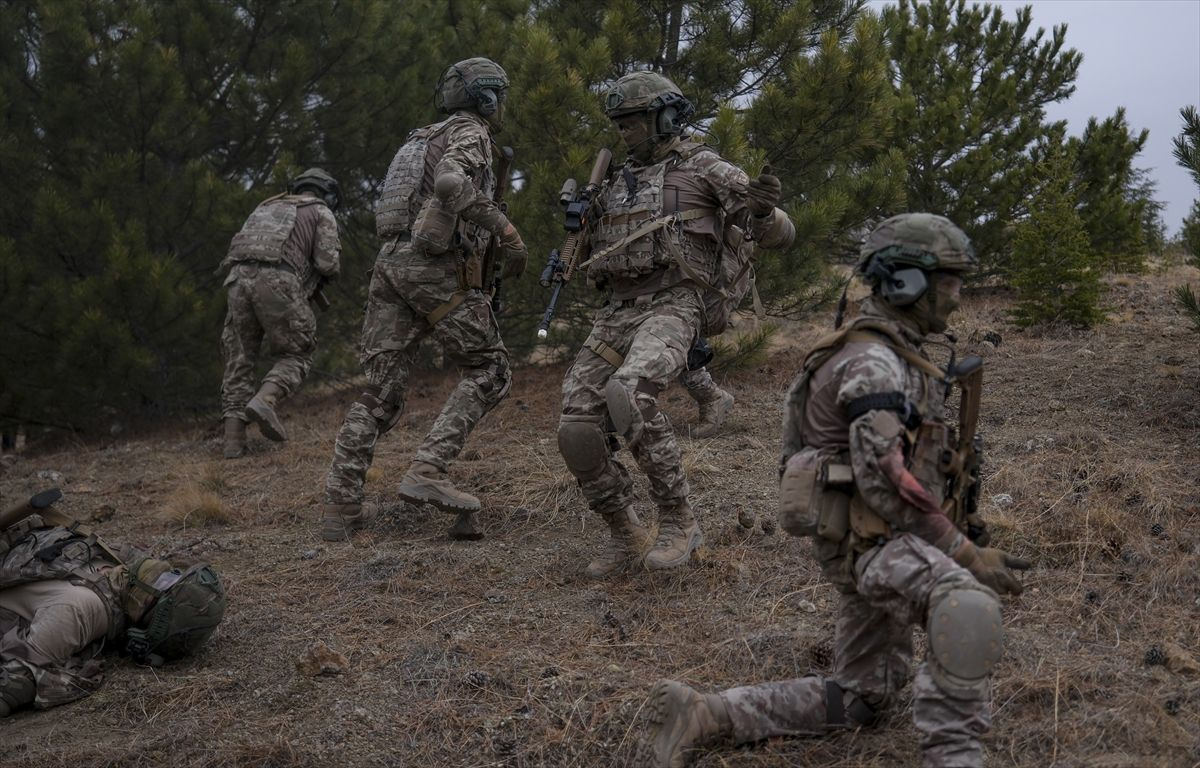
(588, 451)
(656, 355)
(916, 583)
(714, 402)
(290, 329)
(241, 339)
(389, 330)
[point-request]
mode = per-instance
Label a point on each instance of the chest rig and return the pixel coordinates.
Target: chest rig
(267, 229)
(637, 235)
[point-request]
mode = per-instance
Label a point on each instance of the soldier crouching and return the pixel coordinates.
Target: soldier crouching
(864, 437)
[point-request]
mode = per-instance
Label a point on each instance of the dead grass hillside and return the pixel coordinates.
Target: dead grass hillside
(407, 649)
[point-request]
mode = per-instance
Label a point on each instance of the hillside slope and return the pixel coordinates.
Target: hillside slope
(500, 653)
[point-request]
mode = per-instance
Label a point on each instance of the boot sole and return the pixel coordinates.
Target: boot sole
(267, 421)
(693, 544)
(418, 495)
(662, 699)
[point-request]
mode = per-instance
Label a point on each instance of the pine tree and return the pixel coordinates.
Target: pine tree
(1052, 267)
(1112, 212)
(1187, 143)
(973, 88)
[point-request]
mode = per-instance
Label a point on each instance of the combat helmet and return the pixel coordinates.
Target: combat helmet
(174, 610)
(901, 250)
(320, 182)
(649, 92)
(477, 83)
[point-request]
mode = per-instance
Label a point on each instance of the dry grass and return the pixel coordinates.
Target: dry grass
(500, 653)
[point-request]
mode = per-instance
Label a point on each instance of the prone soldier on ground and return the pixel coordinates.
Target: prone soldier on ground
(66, 595)
(437, 216)
(663, 238)
(872, 473)
(277, 265)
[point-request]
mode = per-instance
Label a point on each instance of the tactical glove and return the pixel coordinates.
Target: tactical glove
(762, 195)
(992, 567)
(516, 254)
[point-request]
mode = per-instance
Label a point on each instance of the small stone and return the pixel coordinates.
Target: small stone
(105, 513)
(1004, 499)
(806, 606)
(309, 554)
(320, 659)
(51, 476)
(466, 528)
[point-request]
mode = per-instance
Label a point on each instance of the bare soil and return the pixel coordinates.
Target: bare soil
(500, 652)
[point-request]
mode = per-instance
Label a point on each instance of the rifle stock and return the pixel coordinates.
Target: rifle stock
(560, 267)
(35, 505)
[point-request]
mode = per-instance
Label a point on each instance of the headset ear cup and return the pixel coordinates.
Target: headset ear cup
(668, 121)
(488, 102)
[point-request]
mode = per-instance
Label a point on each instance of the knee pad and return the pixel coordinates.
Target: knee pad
(493, 381)
(583, 446)
(385, 404)
(631, 407)
(851, 711)
(966, 637)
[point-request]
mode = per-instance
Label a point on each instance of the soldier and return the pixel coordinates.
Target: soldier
(285, 252)
(714, 403)
(864, 437)
(436, 216)
(65, 595)
(659, 241)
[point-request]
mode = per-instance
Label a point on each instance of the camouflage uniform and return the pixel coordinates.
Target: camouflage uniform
(275, 262)
(408, 286)
(655, 312)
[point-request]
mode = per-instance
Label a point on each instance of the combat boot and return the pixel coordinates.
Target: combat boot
(626, 546)
(426, 484)
(678, 537)
(235, 437)
(17, 688)
(340, 521)
(261, 410)
(681, 719)
(712, 414)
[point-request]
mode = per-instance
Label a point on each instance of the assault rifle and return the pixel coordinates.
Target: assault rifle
(318, 296)
(963, 462)
(492, 269)
(577, 205)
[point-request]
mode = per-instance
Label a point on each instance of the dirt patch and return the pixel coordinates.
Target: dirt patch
(500, 653)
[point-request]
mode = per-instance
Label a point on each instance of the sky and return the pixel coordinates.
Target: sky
(1143, 55)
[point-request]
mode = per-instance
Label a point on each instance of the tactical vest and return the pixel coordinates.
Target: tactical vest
(29, 553)
(635, 236)
(818, 496)
(405, 188)
(267, 230)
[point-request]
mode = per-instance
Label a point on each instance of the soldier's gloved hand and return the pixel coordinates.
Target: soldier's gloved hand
(992, 567)
(763, 193)
(514, 250)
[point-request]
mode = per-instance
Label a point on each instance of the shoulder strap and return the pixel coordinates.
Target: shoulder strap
(862, 330)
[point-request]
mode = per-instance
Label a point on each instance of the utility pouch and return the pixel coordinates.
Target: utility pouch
(434, 228)
(867, 526)
(473, 272)
(18, 531)
(814, 497)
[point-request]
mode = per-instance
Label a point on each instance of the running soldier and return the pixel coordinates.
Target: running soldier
(285, 252)
(436, 217)
(864, 476)
(660, 240)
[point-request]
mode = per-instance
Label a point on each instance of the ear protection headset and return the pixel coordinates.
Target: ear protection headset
(487, 102)
(898, 287)
(674, 113)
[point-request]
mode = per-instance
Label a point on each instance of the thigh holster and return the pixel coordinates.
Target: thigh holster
(385, 404)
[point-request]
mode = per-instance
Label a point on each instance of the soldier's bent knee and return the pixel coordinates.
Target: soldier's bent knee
(493, 381)
(385, 404)
(966, 637)
(846, 708)
(583, 446)
(631, 405)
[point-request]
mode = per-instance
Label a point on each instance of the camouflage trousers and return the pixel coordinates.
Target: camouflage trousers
(700, 385)
(406, 288)
(873, 651)
(266, 303)
(653, 335)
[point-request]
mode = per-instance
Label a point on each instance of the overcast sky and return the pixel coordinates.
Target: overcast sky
(1143, 55)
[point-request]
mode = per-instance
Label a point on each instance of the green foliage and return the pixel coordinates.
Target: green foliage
(744, 350)
(1052, 267)
(1113, 214)
(1187, 143)
(972, 90)
(1186, 300)
(1189, 235)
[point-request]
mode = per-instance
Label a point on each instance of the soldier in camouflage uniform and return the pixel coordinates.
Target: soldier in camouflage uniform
(277, 262)
(714, 403)
(658, 241)
(65, 596)
(436, 216)
(864, 437)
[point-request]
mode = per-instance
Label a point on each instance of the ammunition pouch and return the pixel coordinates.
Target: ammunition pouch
(815, 493)
(19, 530)
(472, 277)
(434, 228)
